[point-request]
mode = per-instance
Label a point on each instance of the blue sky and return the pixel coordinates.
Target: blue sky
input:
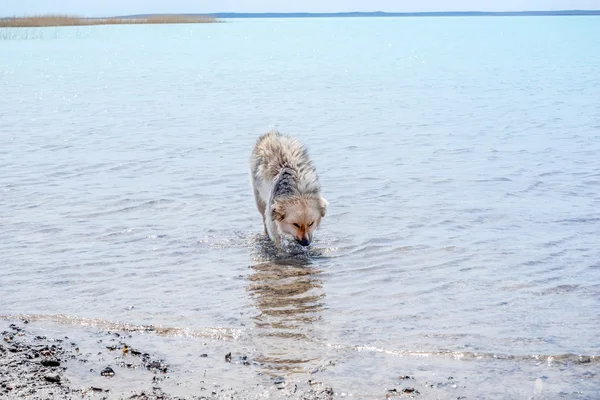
(120, 7)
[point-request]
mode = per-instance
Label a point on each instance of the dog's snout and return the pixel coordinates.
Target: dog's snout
(304, 242)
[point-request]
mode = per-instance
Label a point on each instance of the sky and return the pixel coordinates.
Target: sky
(124, 7)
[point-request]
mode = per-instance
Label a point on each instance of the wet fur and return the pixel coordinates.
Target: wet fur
(286, 188)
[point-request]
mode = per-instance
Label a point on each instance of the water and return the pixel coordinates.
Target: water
(459, 157)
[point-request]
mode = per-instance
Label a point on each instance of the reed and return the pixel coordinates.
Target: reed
(72, 20)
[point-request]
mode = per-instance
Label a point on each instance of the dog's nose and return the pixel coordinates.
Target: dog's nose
(304, 242)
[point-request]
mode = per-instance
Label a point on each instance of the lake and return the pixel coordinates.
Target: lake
(460, 158)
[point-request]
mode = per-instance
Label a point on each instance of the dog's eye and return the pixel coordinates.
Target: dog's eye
(311, 224)
(297, 226)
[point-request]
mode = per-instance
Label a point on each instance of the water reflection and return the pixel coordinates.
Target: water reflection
(289, 297)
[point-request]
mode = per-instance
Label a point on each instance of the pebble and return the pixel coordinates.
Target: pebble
(410, 390)
(279, 381)
(52, 378)
(108, 371)
(50, 363)
(156, 365)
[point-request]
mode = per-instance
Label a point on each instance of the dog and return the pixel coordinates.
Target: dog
(286, 188)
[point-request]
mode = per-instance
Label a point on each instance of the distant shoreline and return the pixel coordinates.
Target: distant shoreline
(392, 14)
(50, 20)
(53, 20)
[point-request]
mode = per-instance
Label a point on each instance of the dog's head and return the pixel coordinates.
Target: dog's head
(299, 217)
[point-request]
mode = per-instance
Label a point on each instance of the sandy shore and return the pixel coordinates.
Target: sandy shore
(79, 359)
(40, 367)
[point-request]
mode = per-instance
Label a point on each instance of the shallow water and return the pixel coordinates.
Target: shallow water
(459, 157)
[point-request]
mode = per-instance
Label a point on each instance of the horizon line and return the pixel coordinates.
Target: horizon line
(377, 11)
(238, 14)
(308, 14)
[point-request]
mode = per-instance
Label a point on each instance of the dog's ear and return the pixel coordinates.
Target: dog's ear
(323, 206)
(277, 211)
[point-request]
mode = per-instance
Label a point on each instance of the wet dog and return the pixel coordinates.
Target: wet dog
(286, 188)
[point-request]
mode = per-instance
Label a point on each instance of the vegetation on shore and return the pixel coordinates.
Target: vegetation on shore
(71, 20)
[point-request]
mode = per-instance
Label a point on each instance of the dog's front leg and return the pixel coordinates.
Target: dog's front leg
(271, 229)
(277, 242)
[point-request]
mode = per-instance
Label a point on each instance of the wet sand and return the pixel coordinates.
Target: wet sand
(85, 360)
(40, 367)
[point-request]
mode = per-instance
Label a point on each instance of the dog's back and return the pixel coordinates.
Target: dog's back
(275, 152)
